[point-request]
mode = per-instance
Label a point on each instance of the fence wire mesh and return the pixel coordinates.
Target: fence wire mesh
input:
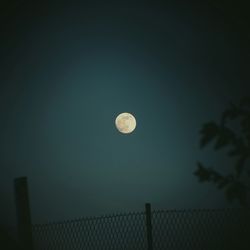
(201, 229)
(122, 231)
(171, 230)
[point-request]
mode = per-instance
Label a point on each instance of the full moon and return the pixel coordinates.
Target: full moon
(125, 123)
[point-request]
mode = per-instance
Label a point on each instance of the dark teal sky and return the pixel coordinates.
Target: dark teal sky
(68, 69)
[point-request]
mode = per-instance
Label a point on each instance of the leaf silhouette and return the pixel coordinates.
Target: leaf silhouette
(234, 152)
(208, 174)
(237, 190)
(225, 137)
(240, 164)
(223, 183)
(208, 132)
(231, 113)
(221, 141)
(202, 173)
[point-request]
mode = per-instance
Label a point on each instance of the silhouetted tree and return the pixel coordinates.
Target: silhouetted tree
(232, 133)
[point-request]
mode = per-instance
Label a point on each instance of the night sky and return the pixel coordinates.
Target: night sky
(69, 68)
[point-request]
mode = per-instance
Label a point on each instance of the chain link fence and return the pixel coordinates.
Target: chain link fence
(119, 231)
(171, 230)
(201, 229)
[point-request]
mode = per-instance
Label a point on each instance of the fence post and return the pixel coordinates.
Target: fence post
(23, 213)
(149, 226)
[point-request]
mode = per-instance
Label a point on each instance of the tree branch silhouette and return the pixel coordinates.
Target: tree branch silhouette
(233, 132)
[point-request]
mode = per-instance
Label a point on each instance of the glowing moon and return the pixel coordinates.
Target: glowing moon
(125, 123)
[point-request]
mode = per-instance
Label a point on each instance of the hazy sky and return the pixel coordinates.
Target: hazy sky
(67, 71)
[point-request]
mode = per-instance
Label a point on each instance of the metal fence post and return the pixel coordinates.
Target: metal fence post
(149, 226)
(23, 213)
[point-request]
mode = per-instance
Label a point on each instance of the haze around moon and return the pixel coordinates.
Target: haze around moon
(125, 123)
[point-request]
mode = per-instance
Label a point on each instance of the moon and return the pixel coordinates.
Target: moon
(125, 123)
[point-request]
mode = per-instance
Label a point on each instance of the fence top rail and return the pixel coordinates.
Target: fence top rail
(91, 218)
(202, 210)
(158, 211)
